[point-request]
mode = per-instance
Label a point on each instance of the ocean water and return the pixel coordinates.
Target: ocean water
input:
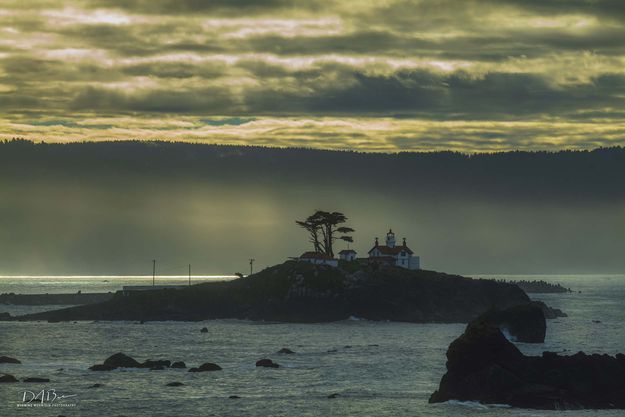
(377, 368)
(58, 284)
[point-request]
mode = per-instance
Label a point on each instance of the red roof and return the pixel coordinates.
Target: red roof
(315, 255)
(387, 250)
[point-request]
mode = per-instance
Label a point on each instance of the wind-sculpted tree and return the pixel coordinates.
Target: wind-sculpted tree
(325, 228)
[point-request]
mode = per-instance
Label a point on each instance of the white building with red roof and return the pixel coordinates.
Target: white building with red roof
(390, 253)
(318, 258)
(347, 255)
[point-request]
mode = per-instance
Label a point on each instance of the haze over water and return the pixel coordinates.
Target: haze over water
(61, 284)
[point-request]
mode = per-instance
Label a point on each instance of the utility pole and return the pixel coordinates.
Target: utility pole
(252, 266)
(153, 272)
(189, 274)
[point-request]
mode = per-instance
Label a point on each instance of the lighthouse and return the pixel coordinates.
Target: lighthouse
(390, 238)
(401, 256)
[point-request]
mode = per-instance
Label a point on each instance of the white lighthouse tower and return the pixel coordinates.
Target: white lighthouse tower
(390, 239)
(392, 254)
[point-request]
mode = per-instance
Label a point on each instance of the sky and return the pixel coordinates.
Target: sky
(383, 75)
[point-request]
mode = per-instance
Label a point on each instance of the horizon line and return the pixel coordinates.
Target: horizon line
(199, 142)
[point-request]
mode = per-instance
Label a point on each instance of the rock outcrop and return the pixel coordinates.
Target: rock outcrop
(206, 367)
(4, 378)
(8, 359)
(523, 323)
(482, 365)
(549, 312)
(120, 360)
(267, 363)
(286, 351)
(36, 379)
(160, 363)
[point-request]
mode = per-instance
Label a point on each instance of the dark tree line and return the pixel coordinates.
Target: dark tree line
(566, 176)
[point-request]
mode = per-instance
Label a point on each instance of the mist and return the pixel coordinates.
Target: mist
(86, 212)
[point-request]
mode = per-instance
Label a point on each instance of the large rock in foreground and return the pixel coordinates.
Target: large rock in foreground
(301, 292)
(523, 323)
(482, 365)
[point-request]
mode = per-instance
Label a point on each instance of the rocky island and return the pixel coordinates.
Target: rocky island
(482, 365)
(302, 292)
(52, 299)
(539, 286)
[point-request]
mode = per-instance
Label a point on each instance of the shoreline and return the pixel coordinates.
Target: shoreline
(55, 299)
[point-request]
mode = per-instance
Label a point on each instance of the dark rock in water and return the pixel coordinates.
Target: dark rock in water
(204, 330)
(7, 378)
(178, 365)
(96, 386)
(234, 397)
(347, 347)
(120, 360)
(206, 367)
(550, 312)
(523, 323)
(7, 359)
(482, 365)
(174, 384)
(267, 363)
(99, 367)
(162, 363)
(335, 395)
(286, 351)
(36, 380)
(596, 321)
(5, 316)
(332, 351)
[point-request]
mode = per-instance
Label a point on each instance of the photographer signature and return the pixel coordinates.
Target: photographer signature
(44, 396)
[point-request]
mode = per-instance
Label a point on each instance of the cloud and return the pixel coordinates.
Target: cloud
(236, 63)
(233, 121)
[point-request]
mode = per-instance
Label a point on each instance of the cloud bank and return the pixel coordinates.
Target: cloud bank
(374, 76)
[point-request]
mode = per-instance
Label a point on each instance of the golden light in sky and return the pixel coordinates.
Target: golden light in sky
(372, 76)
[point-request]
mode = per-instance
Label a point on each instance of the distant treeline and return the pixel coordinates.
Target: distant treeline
(579, 176)
(537, 286)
